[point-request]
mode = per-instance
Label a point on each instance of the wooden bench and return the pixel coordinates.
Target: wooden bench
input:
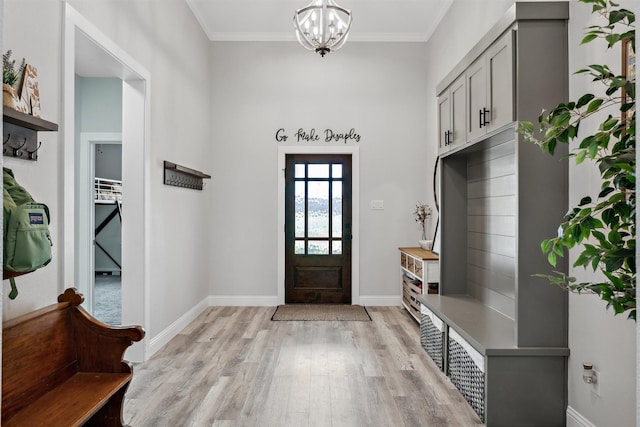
(62, 367)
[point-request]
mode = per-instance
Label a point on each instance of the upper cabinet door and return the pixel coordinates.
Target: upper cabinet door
(476, 78)
(458, 99)
(452, 113)
(490, 88)
(444, 121)
(500, 81)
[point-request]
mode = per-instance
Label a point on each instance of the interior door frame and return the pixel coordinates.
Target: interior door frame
(85, 43)
(354, 151)
(86, 229)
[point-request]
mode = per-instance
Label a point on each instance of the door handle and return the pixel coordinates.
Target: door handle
(483, 117)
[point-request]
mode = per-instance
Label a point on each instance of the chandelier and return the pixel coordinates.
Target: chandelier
(322, 26)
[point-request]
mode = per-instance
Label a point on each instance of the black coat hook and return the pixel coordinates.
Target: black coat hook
(17, 152)
(33, 155)
(4, 143)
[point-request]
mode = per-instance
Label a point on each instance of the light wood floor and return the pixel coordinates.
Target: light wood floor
(233, 366)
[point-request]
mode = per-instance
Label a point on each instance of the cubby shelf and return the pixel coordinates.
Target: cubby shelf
(420, 274)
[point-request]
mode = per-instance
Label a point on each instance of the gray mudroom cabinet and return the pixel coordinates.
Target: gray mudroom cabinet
(498, 332)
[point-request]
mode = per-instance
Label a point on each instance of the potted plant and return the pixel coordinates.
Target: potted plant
(10, 80)
(422, 213)
(602, 230)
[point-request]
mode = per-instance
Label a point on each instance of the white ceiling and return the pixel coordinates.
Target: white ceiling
(272, 20)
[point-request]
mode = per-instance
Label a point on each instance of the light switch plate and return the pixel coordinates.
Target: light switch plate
(377, 205)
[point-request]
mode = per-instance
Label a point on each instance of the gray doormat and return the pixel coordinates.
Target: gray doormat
(321, 312)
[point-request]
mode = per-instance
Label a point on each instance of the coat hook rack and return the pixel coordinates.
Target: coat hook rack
(20, 134)
(181, 176)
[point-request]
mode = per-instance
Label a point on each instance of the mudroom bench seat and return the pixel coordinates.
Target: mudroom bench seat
(62, 367)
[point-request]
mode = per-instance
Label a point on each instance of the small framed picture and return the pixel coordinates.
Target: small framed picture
(628, 70)
(29, 92)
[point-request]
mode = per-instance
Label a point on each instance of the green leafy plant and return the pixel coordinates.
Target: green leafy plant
(603, 229)
(10, 75)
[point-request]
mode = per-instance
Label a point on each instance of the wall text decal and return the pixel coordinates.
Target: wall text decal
(328, 135)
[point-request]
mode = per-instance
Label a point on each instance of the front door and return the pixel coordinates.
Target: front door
(318, 228)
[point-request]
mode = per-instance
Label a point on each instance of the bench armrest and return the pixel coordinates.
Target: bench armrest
(100, 346)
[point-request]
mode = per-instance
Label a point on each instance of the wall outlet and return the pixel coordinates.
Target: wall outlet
(377, 205)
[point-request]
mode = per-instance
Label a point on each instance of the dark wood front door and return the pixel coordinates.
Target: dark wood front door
(318, 228)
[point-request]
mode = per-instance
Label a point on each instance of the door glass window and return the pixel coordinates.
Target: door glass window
(318, 202)
(318, 208)
(336, 209)
(318, 171)
(301, 208)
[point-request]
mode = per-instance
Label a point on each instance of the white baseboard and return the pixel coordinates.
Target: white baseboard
(157, 342)
(575, 419)
(242, 301)
(380, 300)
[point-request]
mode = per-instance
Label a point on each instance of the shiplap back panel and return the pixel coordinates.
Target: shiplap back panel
(491, 226)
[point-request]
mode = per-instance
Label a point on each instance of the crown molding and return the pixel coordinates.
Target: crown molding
(193, 5)
(290, 37)
(399, 37)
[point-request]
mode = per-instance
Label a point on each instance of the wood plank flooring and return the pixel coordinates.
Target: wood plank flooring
(233, 366)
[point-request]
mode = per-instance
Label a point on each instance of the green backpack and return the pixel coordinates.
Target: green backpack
(26, 238)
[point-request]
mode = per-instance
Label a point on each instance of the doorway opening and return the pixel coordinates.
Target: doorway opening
(89, 53)
(106, 223)
(107, 220)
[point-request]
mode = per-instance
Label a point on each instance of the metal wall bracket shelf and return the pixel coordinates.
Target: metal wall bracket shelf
(20, 134)
(181, 176)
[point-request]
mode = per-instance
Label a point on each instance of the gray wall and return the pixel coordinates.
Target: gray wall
(109, 161)
(180, 132)
(595, 335)
(258, 88)
(98, 104)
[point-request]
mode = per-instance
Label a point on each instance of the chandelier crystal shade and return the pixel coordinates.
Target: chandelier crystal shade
(322, 26)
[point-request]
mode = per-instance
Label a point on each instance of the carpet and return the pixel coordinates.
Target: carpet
(107, 299)
(321, 312)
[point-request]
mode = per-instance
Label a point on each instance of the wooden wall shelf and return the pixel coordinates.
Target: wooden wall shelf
(182, 176)
(20, 134)
(28, 121)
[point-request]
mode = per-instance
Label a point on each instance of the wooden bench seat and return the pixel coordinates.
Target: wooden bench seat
(61, 367)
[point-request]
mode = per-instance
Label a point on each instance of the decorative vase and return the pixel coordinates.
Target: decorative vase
(425, 244)
(11, 99)
(9, 96)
